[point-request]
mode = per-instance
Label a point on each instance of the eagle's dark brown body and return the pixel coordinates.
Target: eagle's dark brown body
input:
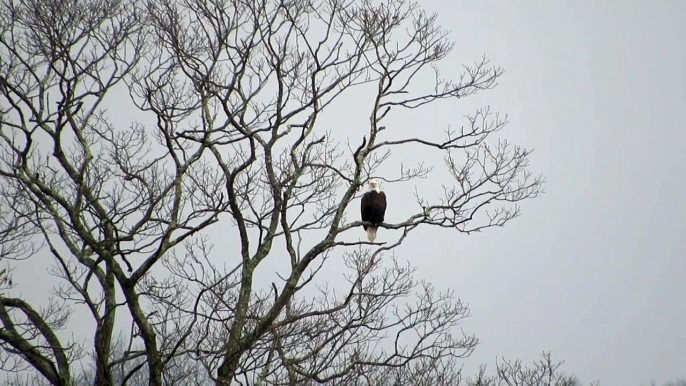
(373, 209)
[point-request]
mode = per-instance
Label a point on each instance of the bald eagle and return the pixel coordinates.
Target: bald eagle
(373, 209)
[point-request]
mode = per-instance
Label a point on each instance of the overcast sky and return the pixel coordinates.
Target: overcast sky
(594, 270)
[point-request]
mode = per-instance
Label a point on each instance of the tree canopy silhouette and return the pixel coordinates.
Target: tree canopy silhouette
(227, 96)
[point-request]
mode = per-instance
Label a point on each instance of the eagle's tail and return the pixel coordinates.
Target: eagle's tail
(371, 233)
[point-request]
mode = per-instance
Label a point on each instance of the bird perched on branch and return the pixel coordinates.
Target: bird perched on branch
(373, 209)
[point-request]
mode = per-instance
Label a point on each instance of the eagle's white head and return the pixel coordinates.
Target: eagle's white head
(374, 186)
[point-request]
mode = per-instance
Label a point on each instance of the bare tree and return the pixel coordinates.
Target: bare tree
(181, 370)
(187, 371)
(544, 372)
(229, 95)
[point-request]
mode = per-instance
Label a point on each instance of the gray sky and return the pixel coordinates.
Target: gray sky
(591, 270)
(594, 269)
